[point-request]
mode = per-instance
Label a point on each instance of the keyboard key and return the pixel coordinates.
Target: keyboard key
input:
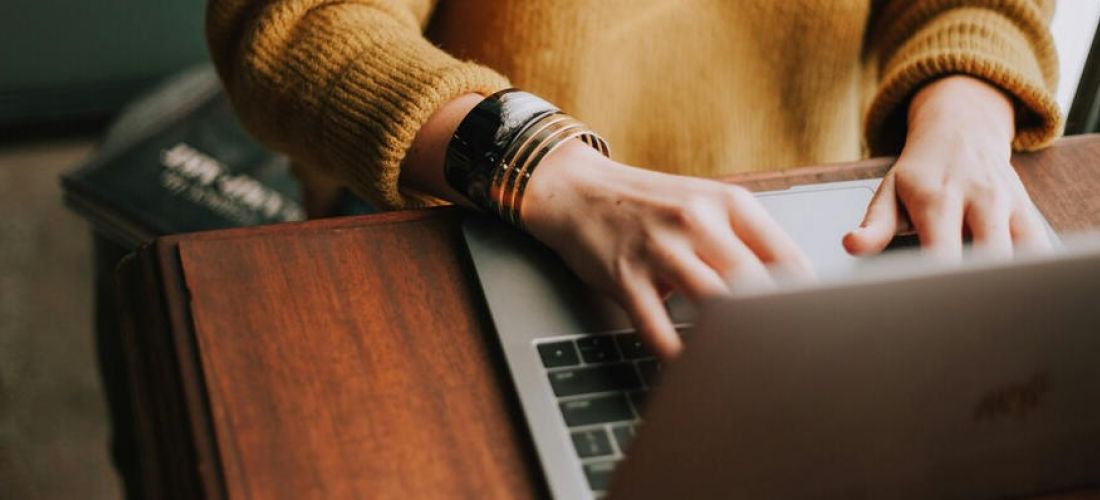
(650, 370)
(623, 434)
(592, 443)
(599, 474)
(638, 399)
(557, 354)
(631, 346)
(617, 377)
(596, 410)
(598, 349)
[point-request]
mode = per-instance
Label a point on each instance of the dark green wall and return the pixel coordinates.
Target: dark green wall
(66, 58)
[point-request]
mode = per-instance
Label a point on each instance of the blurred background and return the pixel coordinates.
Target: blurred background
(67, 69)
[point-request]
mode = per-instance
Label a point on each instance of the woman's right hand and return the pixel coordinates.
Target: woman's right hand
(638, 235)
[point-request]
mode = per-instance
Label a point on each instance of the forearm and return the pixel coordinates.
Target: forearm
(423, 166)
(343, 86)
(962, 104)
(1007, 43)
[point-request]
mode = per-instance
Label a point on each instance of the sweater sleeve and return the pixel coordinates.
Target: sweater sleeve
(342, 85)
(1004, 42)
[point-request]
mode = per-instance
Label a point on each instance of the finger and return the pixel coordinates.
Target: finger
(880, 223)
(743, 269)
(730, 257)
(647, 312)
(1027, 228)
(747, 271)
(938, 221)
(688, 273)
(989, 227)
(764, 237)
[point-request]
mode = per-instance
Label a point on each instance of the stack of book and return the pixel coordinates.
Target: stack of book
(177, 160)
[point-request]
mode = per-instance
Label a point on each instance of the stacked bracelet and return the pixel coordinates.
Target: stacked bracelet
(497, 147)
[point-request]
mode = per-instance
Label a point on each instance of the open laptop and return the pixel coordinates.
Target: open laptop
(914, 380)
(582, 376)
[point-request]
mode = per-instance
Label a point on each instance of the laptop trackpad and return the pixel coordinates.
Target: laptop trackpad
(818, 216)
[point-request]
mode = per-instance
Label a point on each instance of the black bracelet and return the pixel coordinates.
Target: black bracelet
(478, 145)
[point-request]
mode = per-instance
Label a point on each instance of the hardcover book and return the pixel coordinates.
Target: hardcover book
(178, 161)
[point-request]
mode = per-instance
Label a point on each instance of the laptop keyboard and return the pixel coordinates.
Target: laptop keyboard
(600, 382)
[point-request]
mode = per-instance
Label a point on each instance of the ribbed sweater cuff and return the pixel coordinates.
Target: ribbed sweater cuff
(979, 43)
(376, 108)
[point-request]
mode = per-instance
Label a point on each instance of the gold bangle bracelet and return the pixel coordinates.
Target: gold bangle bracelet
(506, 182)
(474, 152)
(522, 159)
(550, 137)
(582, 132)
(498, 145)
(529, 150)
(504, 176)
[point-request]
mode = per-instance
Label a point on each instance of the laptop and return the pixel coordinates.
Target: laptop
(582, 375)
(915, 380)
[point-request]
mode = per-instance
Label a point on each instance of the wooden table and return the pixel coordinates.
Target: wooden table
(354, 357)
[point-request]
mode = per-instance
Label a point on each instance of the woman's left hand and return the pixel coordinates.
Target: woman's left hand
(954, 177)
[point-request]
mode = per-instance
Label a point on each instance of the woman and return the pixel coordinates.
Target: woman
(371, 92)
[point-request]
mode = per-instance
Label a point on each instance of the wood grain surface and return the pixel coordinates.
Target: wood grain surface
(354, 357)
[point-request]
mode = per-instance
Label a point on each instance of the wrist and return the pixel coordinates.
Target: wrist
(962, 106)
(572, 169)
(422, 168)
(498, 146)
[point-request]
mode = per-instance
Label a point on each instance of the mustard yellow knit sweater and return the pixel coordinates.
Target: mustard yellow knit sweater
(700, 87)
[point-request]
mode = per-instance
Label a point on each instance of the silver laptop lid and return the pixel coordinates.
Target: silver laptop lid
(977, 383)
